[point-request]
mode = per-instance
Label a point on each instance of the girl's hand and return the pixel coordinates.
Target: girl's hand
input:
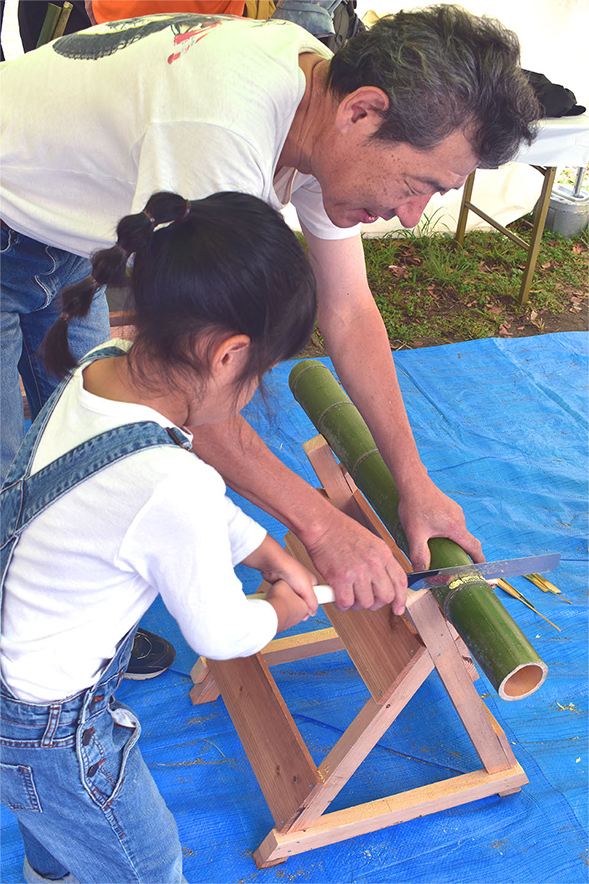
(275, 564)
(290, 608)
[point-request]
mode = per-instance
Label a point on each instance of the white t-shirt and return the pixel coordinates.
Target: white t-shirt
(87, 568)
(95, 122)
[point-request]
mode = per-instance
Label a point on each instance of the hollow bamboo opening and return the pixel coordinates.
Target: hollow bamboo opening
(523, 681)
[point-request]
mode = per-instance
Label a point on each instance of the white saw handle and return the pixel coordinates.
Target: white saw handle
(324, 593)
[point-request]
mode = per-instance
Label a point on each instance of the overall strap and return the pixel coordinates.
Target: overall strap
(22, 464)
(24, 500)
(24, 496)
(78, 464)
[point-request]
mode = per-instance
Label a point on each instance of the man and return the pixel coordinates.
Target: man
(199, 104)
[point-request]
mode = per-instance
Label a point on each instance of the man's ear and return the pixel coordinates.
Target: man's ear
(363, 107)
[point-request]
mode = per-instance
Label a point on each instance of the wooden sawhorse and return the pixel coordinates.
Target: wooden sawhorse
(394, 656)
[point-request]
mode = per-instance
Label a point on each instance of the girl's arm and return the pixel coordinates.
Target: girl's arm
(184, 542)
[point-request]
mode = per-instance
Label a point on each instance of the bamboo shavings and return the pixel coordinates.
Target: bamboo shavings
(545, 585)
(512, 591)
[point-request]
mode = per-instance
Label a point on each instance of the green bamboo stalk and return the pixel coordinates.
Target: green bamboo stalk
(494, 639)
(51, 18)
(62, 20)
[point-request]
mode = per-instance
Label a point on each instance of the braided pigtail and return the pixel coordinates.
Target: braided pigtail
(202, 271)
(109, 266)
(76, 301)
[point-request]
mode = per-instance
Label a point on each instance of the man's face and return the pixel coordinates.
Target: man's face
(372, 179)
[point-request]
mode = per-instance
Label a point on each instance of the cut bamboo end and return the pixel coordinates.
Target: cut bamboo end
(523, 681)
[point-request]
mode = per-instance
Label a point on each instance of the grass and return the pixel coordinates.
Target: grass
(430, 290)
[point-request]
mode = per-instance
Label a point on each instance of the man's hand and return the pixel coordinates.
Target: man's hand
(427, 512)
(359, 566)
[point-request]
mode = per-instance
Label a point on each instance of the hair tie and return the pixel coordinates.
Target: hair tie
(151, 218)
(123, 251)
(186, 211)
(65, 316)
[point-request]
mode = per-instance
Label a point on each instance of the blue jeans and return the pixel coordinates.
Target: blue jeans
(32, 275)
(87, 806)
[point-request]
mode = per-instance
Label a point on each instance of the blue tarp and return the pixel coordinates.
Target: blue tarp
(502, 427)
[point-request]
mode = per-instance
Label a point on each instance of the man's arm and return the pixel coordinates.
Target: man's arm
(359, 566)
(357, 342)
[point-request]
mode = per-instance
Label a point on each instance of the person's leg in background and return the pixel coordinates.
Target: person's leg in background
(83, 335)
(32, 276)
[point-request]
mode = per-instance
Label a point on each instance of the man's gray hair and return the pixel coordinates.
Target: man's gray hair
(443, 69)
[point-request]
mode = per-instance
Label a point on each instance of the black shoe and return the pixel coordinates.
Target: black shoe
(150, 656)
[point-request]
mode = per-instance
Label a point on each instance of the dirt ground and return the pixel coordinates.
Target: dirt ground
(574, 317)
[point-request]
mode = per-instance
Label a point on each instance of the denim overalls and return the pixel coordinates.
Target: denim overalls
(71, 771)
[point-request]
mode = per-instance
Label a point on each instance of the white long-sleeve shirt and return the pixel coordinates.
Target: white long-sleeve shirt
(88, 568)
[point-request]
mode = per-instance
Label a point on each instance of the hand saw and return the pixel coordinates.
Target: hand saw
(447, 576)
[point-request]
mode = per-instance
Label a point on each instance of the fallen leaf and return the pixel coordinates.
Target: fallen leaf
(495, 310)
(577, 249)
(547, 265)
(398, 271)
(533, 315)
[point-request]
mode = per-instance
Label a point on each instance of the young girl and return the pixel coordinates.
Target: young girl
(106, 506)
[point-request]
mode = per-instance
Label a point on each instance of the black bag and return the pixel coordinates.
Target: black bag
(556, 101)
(345, 24)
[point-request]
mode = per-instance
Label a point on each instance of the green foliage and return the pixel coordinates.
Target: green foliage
(431, 290)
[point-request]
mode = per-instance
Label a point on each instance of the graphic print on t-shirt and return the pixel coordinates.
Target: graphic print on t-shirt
(90, 46)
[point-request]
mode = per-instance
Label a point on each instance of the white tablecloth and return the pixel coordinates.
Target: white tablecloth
(562, 141)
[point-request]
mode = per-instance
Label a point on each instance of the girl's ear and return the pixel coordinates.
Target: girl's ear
(229, 355)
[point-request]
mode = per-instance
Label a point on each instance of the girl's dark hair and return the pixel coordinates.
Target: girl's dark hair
(226, 264)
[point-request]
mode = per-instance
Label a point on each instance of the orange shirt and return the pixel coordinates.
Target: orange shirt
(113, 10)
